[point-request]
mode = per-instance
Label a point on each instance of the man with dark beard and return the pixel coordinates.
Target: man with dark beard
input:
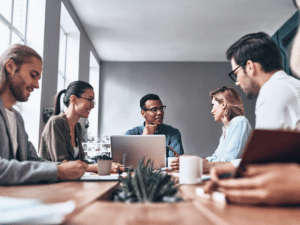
(278, 99)
(257, 69)
(20, 72)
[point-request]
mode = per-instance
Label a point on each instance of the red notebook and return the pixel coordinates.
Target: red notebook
(267, 146)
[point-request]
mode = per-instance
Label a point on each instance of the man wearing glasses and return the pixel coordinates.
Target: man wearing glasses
(257, 69)
(152, 110)
(273, 183)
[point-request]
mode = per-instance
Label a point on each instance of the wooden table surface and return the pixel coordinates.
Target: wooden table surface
(92, 206)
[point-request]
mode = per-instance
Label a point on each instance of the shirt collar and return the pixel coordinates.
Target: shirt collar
(275, 76)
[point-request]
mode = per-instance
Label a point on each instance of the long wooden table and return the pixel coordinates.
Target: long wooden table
(93, 206)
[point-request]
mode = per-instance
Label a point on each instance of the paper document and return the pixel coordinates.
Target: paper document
(32, 211)
(90, 176)
(215, 196)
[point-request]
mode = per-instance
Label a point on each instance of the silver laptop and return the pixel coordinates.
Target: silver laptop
(136, 147)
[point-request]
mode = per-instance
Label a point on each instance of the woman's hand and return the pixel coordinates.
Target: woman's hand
(175, 164)
(115, 167)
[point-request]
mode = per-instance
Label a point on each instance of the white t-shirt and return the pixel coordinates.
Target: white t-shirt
(277, 105)
(76, 152)
(13, 129)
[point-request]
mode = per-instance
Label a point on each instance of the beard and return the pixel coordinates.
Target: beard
(251, 88)
(16, 85)
(250, 95)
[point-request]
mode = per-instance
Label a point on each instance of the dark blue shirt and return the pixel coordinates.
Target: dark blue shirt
(173, 137)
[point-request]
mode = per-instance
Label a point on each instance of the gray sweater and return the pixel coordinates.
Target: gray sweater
(55, 144)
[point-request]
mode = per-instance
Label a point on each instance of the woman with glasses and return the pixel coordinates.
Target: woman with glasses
(62, 136)
(227, 107)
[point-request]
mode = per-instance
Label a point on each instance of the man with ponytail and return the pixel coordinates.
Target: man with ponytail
(20, 72)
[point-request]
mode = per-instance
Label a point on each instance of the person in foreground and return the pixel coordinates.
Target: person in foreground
(152, 110)
(228, 109)
(62, 136)
(20, 72)
(295, 53)
(273, 183)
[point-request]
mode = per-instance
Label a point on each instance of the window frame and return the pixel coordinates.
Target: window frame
(62, 74)
(11, 27)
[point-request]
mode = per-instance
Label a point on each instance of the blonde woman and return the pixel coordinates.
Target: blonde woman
(227, 107)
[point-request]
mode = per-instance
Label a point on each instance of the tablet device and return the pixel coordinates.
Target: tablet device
(137, 147)
(267, 146)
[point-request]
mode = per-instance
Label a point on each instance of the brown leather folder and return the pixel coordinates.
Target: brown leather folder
(267, 146)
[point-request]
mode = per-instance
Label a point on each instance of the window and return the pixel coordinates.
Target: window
(68, 63)
(13, 17)
(62, 60)
(68, 50)
(94, 80)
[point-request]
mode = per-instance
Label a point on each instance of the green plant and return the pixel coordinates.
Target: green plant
(47, 113)
(145, 185)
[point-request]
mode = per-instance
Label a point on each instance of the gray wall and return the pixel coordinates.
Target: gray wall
(183, 87)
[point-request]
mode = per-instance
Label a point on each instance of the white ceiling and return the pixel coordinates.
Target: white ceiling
(176, 30)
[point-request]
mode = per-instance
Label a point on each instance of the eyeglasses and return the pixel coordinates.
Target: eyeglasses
(154, 109)
(232, 74)
(92, 102)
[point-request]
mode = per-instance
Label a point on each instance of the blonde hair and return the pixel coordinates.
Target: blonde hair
(234, 104)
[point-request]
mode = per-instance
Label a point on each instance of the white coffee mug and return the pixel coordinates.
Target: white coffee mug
(190, 169)
(104, 166)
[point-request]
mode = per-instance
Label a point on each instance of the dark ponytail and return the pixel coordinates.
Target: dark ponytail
(76, 88)
(56, 110)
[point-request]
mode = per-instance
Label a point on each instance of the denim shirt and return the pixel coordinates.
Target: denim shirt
(232, 141)
(173, 137)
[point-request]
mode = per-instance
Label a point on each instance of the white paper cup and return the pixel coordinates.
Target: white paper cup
(170, 159)
(190, 169)
(104, 166)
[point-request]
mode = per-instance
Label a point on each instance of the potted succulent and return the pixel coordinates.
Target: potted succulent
(146, 185)
(47, 113)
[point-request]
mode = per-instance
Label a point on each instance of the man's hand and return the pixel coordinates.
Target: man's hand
(71, 170)
(265, 184)
(270, 184)
(215, 172)
(149, 129)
